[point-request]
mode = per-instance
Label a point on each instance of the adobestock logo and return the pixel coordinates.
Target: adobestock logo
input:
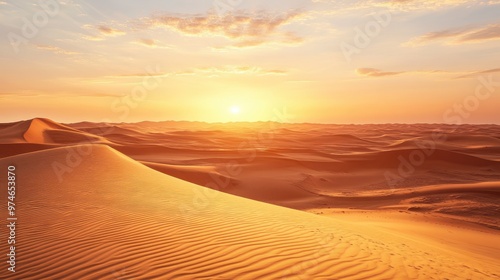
(454, 116)
(31, 27)
(223, 7)
(461, 111)
(122, 106)
(202, 198)
(363, 36)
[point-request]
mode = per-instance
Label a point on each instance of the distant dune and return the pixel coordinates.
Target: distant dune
(44, 131)
(205, 201)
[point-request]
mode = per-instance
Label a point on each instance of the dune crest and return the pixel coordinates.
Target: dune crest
(45, 131)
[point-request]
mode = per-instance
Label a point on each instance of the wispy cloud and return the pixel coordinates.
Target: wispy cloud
(151, 43)
(207, 71)
(459, 35)
(20, 93)
(109, 31)
(409, 5)
(230, 26)
(234, 69)
(283, 39)
(57, 94)
(477, 73)
(404, 5)
(56, 50)
(100, 32)
(137, 75)
(373, 72)
(147, 42)
(246, 30)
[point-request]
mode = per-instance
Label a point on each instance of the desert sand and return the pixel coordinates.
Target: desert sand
(187, 200)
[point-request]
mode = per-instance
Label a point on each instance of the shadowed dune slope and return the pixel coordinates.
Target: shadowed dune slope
(200, 175)
(114, 218)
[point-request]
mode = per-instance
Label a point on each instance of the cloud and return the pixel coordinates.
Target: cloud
(372, 72)
(20, 93)
(246, 30)
(55, 50)
(459, 35)
(477, 73)
(151, 43)
(230, 25)
(138, 75)
(206, 71)
(93, 37)
(246, 43)
(243, 29)
(35, 93)
(101, 32)
(231, 70)
(286, 38)
(409, 5)
(490, 32)
(147, 42)
(109, 31)
(404, 5)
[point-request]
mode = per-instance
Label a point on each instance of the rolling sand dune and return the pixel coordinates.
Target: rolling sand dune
(113, 218)
(396, 203)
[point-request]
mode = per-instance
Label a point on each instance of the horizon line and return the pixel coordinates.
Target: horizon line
(255, 122)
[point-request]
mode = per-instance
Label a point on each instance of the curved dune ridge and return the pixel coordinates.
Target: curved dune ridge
(45, 131)
(113, 218)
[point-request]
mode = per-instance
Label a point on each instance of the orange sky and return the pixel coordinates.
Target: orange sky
(321, 61)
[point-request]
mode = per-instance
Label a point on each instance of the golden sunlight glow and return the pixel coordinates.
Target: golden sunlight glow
(235, 110)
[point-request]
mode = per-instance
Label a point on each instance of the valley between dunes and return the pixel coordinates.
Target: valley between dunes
(178, 200)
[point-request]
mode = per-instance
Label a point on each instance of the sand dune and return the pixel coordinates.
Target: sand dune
(45, 131)
(14, 132)
(113, 218)
(299, 166)
(91, 212)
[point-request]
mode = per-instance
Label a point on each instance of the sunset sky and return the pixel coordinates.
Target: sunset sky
(245, 60)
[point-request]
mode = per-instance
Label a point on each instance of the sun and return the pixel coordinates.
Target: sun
(235, 110)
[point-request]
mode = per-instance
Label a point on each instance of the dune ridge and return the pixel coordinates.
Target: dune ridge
(45, 131)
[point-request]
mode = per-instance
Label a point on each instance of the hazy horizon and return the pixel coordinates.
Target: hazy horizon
(236, 122)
